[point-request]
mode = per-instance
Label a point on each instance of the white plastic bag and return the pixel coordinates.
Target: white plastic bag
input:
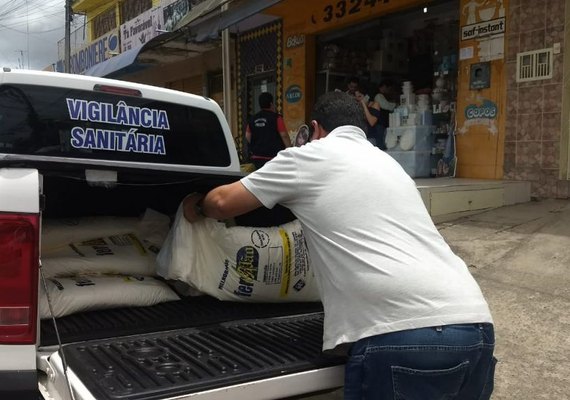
(239, 263)
(71, 295)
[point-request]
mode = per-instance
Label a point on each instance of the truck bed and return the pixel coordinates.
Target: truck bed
(188, 312)
(191, 360)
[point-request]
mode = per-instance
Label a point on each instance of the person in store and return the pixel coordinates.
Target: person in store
(373, 115)
(266, 133)
(384, 89)
(395, 296)
(352, 85)
(386, 107)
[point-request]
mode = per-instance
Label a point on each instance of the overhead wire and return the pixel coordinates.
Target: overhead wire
(30, 18)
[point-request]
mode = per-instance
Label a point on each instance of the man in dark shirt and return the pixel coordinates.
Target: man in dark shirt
(266, 133)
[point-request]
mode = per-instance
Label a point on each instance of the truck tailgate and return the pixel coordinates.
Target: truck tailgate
(184, 361)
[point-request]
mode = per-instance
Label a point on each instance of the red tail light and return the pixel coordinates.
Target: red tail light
(19, 243)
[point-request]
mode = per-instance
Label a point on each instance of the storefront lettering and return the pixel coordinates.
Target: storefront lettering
(493, 27)
(293, 94)
(295, 41)
(96, 52)
(486, 110)
(342, 8)
(481, 115)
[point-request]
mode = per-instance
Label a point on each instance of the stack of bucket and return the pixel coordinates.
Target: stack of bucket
(408, 139)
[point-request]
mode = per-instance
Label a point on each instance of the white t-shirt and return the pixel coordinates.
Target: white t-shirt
(380, 262)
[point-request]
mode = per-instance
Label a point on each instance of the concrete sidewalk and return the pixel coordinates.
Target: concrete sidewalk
(520, 255)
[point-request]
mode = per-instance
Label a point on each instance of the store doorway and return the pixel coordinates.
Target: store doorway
(257, 84)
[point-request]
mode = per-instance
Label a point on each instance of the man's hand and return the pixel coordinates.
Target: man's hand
(190, 206)
(223, 202)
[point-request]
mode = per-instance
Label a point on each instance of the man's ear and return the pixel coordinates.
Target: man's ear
(318, 131)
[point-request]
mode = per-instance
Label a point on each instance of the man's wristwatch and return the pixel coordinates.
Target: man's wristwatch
(198, 207)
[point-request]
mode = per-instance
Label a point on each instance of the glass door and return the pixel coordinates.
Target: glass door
(257, 84)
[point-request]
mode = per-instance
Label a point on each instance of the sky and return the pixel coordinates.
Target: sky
(30, 31)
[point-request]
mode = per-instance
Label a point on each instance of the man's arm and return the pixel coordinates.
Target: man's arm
(223, 202)
(384, 103)
(248, 134)
(282, 129)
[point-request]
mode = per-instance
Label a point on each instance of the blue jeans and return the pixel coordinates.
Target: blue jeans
(440, 363)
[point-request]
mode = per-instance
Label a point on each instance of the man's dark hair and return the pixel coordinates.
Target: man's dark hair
(334, 109)
(265, 100)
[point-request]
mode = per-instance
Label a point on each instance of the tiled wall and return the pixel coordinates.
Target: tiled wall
(533, 123)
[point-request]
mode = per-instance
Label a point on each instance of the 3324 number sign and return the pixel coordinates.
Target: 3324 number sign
(342, 8)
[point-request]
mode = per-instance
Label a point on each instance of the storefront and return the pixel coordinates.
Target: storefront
(413, 55)
(445, 59)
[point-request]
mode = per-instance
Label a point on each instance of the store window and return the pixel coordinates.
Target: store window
(104, 22)
(407, 63)
(132, 8)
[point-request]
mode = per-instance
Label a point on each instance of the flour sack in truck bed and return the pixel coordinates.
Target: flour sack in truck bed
(82, 293)
(239, 263)
(123, 246)
(118, 254)
(61, 232)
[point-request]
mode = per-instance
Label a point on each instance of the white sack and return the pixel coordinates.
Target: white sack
(61, 232)
(130, 253)
(71, 295)
(152, 226)
(239, 263)
(119, 254)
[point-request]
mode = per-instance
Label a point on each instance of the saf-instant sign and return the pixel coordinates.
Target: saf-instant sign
(493, 27)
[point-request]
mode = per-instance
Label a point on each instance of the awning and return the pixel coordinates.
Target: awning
(118, 65)
(206, 20)
(189, 37)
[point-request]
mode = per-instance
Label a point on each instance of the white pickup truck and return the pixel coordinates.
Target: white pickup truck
(73, 146)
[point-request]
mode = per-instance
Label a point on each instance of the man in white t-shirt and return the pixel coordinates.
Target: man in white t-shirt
(406, 308)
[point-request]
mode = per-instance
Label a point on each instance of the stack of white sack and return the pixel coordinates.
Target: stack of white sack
(109, 253)
(239, 263)
(86, 293)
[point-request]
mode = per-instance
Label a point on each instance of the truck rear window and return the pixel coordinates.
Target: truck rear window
(62, 122)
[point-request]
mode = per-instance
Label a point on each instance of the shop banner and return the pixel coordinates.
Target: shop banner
(99, 50)
(140, 30)
(173, 11)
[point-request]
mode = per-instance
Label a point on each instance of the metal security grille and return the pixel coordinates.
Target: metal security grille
(534, 65)
(259, 51)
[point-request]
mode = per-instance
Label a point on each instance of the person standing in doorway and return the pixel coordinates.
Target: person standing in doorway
(396, 297)
(266, 133)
